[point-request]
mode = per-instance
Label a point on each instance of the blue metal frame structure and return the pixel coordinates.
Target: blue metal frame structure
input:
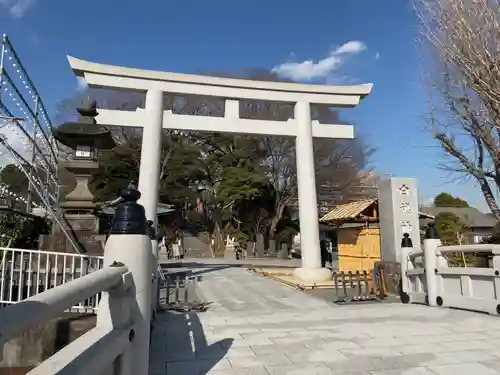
(23, 113)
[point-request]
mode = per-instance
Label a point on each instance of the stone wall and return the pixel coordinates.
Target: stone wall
(39, 343)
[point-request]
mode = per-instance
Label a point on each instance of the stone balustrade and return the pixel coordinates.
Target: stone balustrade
(428, 278)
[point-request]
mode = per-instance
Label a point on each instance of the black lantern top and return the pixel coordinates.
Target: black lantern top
(130, 217)
(85, 132)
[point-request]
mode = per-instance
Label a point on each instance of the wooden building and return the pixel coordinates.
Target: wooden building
(357, 233)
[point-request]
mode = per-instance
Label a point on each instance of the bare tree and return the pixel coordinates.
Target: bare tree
(341, 170)
(461, 43)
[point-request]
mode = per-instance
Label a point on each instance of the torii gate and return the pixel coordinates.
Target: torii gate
(153, 118)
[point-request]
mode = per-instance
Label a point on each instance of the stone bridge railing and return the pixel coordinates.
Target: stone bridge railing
(119, 344)
(428, 278)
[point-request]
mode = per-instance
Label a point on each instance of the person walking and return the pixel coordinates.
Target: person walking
(162, 246)
(324, 252)
(181, 247)
(176, 250)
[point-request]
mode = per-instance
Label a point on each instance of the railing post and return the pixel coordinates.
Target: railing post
(431, 243)
(496, 269)
(406, 248)
(129, 244)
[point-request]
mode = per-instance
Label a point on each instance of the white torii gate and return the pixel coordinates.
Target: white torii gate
(153, 118)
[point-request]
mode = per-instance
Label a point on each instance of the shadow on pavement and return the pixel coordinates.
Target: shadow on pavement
(188, 351)
(260, 263)
(192, 269)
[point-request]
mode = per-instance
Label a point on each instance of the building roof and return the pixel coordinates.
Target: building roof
(348, 210)
(352, 210)
(470, 216)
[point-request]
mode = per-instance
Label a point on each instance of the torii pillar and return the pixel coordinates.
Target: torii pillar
(311, 269)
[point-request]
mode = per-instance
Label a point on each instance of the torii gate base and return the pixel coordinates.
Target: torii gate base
(153, 118)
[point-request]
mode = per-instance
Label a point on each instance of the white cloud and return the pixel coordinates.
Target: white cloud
(17, 8)
(17, 141)
(377, 56)
(353, 46)
(81, 84)
(309, 69)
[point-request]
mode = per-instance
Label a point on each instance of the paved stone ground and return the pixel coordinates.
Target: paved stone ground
(259, 327)
(248, 262)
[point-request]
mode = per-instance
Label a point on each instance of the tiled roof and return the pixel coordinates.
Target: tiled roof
(353, 209)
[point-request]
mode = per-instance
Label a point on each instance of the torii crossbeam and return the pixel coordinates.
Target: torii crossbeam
(153, 118)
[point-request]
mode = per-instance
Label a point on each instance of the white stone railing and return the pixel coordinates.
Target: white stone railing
(427, 278)
(413, 284)
(26, 273)
(119, 344)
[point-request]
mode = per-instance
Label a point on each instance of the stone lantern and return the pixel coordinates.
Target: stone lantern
(85, 139)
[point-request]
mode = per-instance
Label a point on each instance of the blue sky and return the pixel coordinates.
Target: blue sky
(338, 42)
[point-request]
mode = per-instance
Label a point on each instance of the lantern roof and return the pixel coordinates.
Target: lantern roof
(85, 131)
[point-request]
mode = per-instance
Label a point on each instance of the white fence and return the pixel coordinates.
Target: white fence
(427, 278)
(26, 273)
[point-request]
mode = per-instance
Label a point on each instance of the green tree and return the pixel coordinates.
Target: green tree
(17, 182)
(254, 213)
(450, 228)
(447, 200)
(453, 231)
(20, 231)
(229, 172)
(10, 230)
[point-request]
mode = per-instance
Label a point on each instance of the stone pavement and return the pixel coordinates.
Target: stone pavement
(259, 327)
(248, 262)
